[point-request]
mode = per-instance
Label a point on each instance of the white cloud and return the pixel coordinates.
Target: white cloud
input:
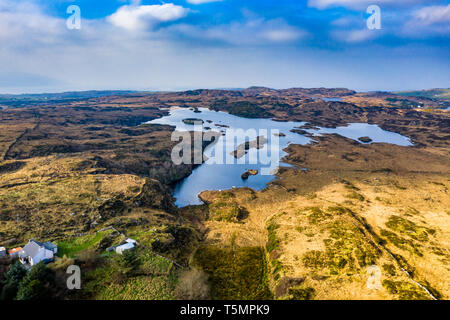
(202, 1)
(135, 17)
(427, 22)
(252, 31)
(38, 53)
(24, 24)
(358, 4)
(344, 21)
(356, 36)
(433, 14)
(281, 35)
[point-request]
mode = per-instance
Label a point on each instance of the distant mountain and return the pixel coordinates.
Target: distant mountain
(66, 95)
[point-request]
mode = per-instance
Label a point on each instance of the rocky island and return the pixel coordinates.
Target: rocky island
(249, 173)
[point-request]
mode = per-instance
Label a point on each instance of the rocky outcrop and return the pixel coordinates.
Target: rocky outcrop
(155, 195)
(249, 173)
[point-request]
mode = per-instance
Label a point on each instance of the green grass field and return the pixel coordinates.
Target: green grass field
(72, 247)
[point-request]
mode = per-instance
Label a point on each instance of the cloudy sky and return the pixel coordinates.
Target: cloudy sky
(184, 44)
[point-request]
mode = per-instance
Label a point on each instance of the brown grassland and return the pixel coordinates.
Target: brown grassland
(364, 221)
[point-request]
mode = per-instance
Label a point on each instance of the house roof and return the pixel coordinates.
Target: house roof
(126, 246)
(40, 244)
(2, 249)
(47, 245)
(50, 246)
(10, 251)
(31, 249)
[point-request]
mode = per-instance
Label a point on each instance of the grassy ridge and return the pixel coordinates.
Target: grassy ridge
(432, 93)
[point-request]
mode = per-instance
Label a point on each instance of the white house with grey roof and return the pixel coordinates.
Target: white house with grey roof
(126, 245)
(35, 252)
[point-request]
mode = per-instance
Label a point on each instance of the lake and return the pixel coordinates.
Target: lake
(220, 175)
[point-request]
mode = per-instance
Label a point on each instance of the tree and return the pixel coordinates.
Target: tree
(37, 284)
(13, 278)
(32, 290)
(130, 259)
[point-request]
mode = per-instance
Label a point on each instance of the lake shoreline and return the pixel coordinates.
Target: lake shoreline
(186, 190)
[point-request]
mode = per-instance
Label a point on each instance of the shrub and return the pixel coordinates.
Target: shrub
(302, 293)
(63, 263)
(37, 284)
(227, 211)
(316, 215)
(401, 242)
(272, 243)
(12, 281)
(389, 269)
(129, 261)
(314, 259)
(338, 210)
(347, 250)
(405, 290)
(356, 196)
(235, 274)
(193, 285)
(409, 228)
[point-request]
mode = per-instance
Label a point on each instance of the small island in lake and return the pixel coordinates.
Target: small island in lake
(365, 139)
(192, 121)
(299, 131)
(244, 147)
(249, 173)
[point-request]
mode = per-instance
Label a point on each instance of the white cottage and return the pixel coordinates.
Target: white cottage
(35, 252)
(128, 245)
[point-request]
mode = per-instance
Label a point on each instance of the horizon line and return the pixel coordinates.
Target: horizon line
(50, 92)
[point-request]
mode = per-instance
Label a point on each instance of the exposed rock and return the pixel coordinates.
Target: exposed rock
(156, 195)
(299, 131)
(365, 139)
(285, 284)
(249, 173)
(192, 121)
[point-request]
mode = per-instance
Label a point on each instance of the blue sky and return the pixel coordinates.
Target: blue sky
(185, 44)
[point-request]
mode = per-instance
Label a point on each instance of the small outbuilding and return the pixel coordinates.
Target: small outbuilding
(2, 252)
(14, 253)
(126, 245)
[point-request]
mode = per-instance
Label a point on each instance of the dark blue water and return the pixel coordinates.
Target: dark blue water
(216, 176)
